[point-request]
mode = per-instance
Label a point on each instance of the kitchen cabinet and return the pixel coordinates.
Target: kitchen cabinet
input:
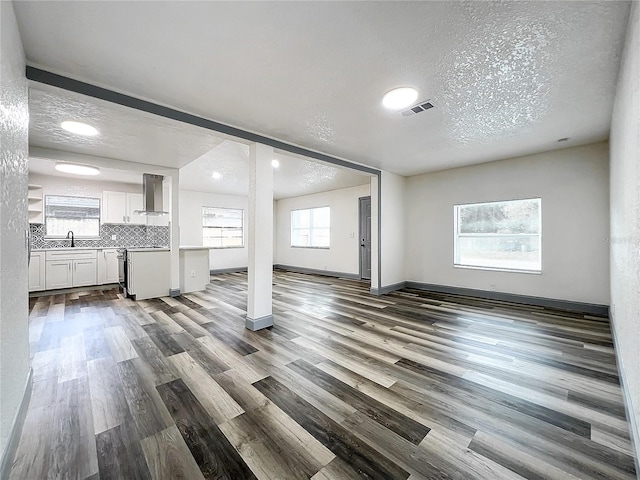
(36, 272)
(58, 274)
(118, 207)
(194, 269)
(84, 272)
(68, 268)
(107, 266)
(148, 273)
(135, 202)
(34, 199)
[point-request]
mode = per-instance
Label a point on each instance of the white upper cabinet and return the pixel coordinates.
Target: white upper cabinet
(114, 207)
(118, 207)
(135, 202)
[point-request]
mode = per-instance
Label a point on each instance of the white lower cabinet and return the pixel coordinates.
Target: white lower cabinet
(58, 274)
(70, 268)
(107, 266)
(85, 272)
(36, 272)
(148, 274)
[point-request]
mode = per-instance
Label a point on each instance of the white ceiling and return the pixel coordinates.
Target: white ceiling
(44, 166)
(125, 133)
(295, 175)
(135, 136)
(507, 78)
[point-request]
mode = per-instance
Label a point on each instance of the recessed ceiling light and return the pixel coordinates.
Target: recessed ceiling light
(216, 175)
(275, 163)
(76, 169)
(79, 128)
(399, 98)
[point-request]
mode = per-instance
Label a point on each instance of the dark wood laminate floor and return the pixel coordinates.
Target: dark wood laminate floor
(346, 385)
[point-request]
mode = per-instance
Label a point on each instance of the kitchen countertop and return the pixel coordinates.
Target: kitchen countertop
(72, 248)
(135, 249)
(193, 247)
(148, 249)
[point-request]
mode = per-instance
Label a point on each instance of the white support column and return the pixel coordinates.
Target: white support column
(260, 221)
(173, 180)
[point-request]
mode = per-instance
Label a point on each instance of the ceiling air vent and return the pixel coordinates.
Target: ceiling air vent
(420, 107)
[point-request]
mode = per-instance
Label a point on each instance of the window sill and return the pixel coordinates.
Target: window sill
(221, 248)
(495, 269)
(312, 248)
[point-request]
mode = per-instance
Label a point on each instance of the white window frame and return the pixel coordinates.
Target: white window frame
(76, 233)
(457, 235)
(310, 228)
(222, 227)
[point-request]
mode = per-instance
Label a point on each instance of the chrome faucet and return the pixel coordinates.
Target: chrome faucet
(72, 241)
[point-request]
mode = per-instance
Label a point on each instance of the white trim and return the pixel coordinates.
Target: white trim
(497, 269)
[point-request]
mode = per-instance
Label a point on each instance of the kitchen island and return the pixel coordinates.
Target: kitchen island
(194, 268)
(148, 272)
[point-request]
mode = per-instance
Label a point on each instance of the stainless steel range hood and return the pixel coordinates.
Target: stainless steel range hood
(151, 195)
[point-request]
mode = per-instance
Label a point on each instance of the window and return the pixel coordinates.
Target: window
(311, 227)
(499, 235)
(79, 214)
(222, 227)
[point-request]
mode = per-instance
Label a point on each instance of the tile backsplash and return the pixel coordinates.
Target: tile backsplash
(126, 236)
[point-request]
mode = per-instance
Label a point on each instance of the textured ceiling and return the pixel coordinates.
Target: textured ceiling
(134, 136)
(125, 133)
(507, 78)
(45, 166)
(294, 177)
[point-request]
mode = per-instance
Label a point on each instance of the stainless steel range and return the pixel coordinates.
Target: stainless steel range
(122, 270)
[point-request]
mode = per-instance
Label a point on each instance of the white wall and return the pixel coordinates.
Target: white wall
(14, 149)
(80, 187)
(343, 256)
(191, 204)
(573, 185)
(625, 220)
(392, 241)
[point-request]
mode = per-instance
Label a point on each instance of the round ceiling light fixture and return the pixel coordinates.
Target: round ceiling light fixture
(275, 163)
(400, 98)
(216, 175)
(79, 128)
(76, 169)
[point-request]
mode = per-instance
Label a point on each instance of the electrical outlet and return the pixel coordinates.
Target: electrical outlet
(114, 237)
(193, 273)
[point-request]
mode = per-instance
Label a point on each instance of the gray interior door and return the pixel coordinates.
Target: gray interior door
(365, 238)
